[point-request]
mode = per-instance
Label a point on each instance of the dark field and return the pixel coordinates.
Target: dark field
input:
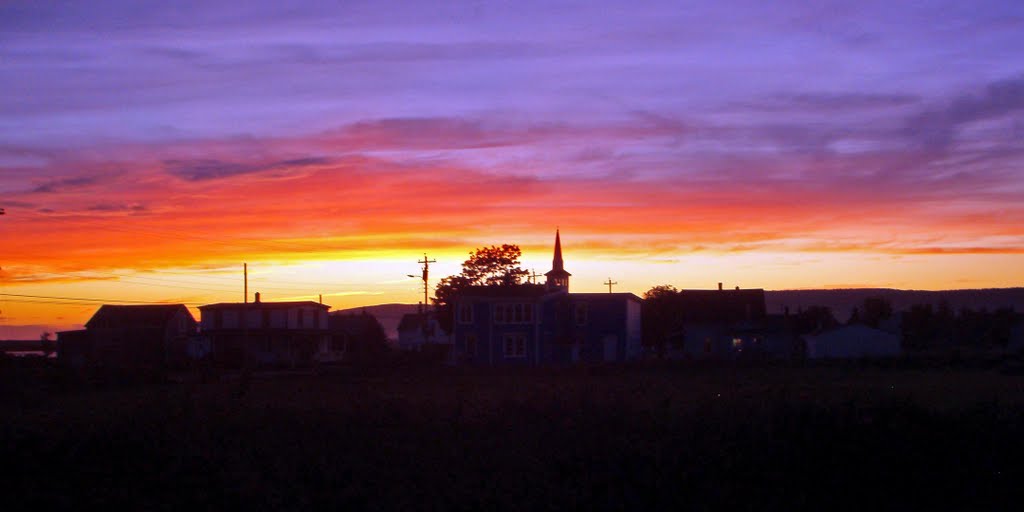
(639, 438)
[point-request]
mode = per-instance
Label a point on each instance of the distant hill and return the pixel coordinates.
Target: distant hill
(842, 302)
(19, 345)
(387, 314)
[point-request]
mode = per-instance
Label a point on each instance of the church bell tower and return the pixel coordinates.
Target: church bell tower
(557, 277)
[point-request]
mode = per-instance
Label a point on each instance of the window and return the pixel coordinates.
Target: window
(515, 345)
(339, 343)
(465, 313)
(513, 313)
(737, 344)
(471, 345)
(580, 313)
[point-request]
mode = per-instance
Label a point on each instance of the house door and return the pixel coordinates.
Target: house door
(611, 345)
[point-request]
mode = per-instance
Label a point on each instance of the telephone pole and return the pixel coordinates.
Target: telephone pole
(426, 279)
(533, 276)
(609, 282)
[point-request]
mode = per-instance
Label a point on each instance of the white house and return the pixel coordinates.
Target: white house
(852, 341)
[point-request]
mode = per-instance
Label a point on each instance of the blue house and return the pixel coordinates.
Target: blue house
(533, 324)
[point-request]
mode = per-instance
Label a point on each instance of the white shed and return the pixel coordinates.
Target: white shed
(852, 341)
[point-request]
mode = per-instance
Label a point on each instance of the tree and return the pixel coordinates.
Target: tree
(660, 316)
(876, 310)
(872, 312)
(46, 342)
(487, 266)
(814, 319)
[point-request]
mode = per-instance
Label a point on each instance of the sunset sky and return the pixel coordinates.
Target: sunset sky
(148, 149)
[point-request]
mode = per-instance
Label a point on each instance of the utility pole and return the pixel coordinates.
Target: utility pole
(609, 282)
(426, 279)
(247, 362)
(533, 276)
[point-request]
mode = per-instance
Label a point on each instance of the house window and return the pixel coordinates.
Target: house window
(515, 345)
(513, 313)
(338, 343)
(580, 313)
(471, 345)
(465, 313)
(737, 344)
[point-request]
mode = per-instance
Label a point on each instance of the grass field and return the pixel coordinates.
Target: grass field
(612, 438)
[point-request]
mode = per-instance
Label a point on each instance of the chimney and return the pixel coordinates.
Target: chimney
(737, 287)
(719, 286)
(257, 297)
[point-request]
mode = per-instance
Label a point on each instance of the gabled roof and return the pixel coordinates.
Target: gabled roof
(721, 305)
(155, 315)
(265, 305)
(352, 323)
(498, 292)
(411, 321)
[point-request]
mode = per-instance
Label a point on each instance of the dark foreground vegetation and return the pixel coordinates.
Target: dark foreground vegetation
(688, 437)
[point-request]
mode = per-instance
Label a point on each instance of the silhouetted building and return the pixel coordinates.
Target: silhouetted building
(356, 337)
(415, 330)
(532, 324)
(728, 323)
(271, 334)
(120, 337)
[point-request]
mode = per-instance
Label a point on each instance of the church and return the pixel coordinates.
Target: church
(545, 324)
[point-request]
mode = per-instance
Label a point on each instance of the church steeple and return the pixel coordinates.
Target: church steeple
(558, 278)
(557, 263)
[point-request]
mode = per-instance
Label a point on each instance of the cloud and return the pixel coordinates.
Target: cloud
(832, 102)
(117, 207)
(64, 184)
(936, 128)
(212, 169)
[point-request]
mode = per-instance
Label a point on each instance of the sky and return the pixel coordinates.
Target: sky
(148, 149)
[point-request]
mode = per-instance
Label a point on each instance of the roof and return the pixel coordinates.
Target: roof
(265, 305)
(150, 315)
(353, 323)
(598, 296)
(497, 292)
(412, 321)
(720, 305)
